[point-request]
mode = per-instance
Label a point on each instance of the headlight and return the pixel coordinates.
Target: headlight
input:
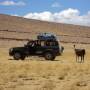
(11, 49)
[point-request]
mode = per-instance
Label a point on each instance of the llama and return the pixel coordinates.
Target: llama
(79, 53)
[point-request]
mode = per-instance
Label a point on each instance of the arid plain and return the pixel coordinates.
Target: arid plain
(35, 73)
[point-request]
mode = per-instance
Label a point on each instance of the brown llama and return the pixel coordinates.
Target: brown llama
(79, 53)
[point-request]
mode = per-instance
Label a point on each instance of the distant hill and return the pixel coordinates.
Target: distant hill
(18, 28)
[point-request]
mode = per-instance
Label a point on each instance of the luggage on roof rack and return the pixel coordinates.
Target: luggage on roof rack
(46, 36)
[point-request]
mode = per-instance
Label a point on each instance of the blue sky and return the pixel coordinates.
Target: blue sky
(44, 5)
(26, 7)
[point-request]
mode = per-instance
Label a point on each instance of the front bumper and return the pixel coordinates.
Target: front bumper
(11, 52)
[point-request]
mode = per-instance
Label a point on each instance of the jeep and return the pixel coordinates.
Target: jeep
(48, 49)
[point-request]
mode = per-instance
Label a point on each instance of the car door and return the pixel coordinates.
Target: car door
(31, 48)
(39, 50)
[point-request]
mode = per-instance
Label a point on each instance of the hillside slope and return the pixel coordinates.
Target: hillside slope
(18, 28)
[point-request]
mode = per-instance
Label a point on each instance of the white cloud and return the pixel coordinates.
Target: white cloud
(70, 16)
(56, 4)
(15, 15)
(47, 16)
(12, 3)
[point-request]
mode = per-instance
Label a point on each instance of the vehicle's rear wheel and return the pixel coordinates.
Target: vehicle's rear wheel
(17, 56)
(49, 56)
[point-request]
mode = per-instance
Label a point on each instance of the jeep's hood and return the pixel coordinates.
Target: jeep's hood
(16, 48)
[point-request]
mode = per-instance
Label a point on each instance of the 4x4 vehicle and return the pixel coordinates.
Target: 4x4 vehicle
(48, 49)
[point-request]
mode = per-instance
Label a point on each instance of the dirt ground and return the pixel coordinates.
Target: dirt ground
(35, 73)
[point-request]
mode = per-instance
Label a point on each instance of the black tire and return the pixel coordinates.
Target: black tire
(17, 56)
(23, 57)
(49, 56)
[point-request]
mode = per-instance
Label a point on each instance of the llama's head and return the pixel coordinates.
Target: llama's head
(74, 45)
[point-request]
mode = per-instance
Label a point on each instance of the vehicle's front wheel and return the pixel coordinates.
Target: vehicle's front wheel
(17, 56)
(49, 56)
(23, 57)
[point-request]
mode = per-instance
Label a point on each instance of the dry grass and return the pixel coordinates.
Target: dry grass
(38, 74)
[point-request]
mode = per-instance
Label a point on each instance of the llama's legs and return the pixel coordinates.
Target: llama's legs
(83, 58)
(76, 58)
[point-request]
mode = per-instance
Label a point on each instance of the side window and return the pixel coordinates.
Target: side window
(42, 43)
(51, 43)
(56, 44)
(47, 43)
(38, 43)
(31, 43)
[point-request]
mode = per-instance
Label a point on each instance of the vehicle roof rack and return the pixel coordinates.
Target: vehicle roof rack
(46, 36)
